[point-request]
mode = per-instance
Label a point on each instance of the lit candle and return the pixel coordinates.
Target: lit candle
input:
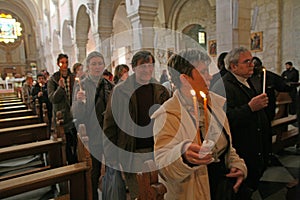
(60, 64)
(40, 84)
(80, 88)
(264, 79)
(193, 93)
(203, 95)
(78, 80)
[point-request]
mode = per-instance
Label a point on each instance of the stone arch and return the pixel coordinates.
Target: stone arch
(26, 12)
(82, 27)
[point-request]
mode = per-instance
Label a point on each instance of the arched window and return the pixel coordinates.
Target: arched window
(10, 29)
(196, 32)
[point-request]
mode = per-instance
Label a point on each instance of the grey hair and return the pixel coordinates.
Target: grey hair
(233, 56)
(92, 55)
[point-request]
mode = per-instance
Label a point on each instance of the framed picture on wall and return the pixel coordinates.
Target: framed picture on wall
(256, 43)
(212, 47)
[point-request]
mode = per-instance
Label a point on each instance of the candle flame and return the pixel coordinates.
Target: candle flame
(203, 95)
(193, 92)
(264, 69)
(40, 84)
(76, 79)
(60, 64)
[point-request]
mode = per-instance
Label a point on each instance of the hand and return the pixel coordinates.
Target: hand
(191, 154)
(259, 102)
(61, 82)
(40, 94)
(239, 175)
(81, 95)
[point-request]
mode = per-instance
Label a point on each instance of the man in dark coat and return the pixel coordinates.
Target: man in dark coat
(291, 74)
(127, 124)
(248, 121)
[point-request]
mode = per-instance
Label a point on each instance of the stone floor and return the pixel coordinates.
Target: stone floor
(273, 184)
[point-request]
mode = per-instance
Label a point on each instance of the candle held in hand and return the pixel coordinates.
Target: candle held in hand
(203, 95)
(264, 79)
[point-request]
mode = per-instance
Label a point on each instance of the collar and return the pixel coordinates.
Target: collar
(241, 80)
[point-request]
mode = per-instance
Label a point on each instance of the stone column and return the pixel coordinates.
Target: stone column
(233, 20)
(81, 42)
(141, 14)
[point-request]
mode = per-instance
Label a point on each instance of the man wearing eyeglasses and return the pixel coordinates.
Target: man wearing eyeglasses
(248, 121)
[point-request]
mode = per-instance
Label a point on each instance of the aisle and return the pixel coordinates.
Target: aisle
(274, 181)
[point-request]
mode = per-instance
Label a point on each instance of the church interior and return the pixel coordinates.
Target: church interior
(34, 32)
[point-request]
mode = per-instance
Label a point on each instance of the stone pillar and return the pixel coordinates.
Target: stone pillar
(141, 14)
(104, 41)
(233, 20)
(81, 42)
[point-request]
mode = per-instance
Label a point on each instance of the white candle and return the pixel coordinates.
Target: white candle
(78, 80)
(6, 81)
(264, 79)
(193, 93)
(203, 95)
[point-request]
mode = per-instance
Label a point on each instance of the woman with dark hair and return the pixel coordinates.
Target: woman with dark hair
(121, 73)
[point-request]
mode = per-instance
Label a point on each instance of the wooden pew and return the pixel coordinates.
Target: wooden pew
(149, 187)
(16, 113)
(10, 100)
(19, 121)
(77, 174)
(14, 103)
(283, 134)
(53, 148)
(74, 173)
(23, 134)
(12, 108)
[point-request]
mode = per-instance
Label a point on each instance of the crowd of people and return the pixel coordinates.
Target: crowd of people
(131, 119)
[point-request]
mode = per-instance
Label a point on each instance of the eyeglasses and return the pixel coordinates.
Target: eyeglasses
(247, 62)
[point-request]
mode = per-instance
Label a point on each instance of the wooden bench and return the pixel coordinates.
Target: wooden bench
(77, 174)
(15, 103)
(12, 108)
(283, 135)
(54, 150)
(149, 187)
(23, 134)
(19, 121)
(10, 100)
(17, 113)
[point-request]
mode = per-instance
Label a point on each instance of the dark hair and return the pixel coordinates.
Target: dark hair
(107, 73)
(256, 61)
(221, 62)
(40, 74)
(76, 66)
(141, 55)
(182, 63)
(118, 72)
(60, 56)
(289, 63)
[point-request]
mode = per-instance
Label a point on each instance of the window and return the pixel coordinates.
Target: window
(10, 29)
